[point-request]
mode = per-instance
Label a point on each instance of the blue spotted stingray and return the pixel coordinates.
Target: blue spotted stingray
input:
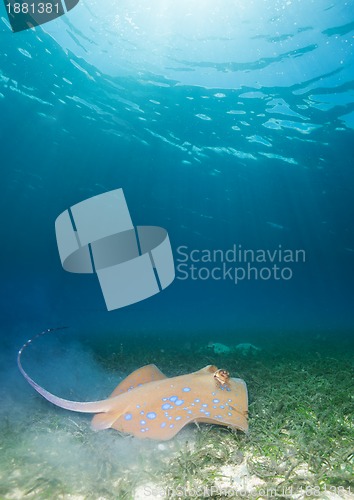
(147, 404)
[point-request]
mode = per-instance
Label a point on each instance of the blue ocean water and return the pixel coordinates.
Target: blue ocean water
(225, 124)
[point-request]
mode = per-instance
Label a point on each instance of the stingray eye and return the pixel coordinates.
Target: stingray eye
(222, 376)
(225, 374)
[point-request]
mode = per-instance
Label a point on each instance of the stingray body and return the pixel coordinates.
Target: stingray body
(147, 404)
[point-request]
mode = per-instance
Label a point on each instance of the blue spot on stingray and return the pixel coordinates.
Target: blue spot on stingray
(173, 398)
(204, 405)
(216, 400)
(229, 414)
(128, 416)
(139, 385)
(186, 389)
(189, 411)
(142, 413)
(138, 406)
(151, 415)
(142, 422)
(166, 406)
(214, 407)
(179, 402)
(178, 418)
(171, 426)
(207, 413)
(230, 400)
(222, 407)
(169, 418)
(163, 425)
(197, 400)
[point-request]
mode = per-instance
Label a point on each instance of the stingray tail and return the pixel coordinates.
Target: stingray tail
(83, 407)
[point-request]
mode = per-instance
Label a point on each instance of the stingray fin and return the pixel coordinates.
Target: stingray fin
(159, 434)
(103, 421)
(144, 375)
